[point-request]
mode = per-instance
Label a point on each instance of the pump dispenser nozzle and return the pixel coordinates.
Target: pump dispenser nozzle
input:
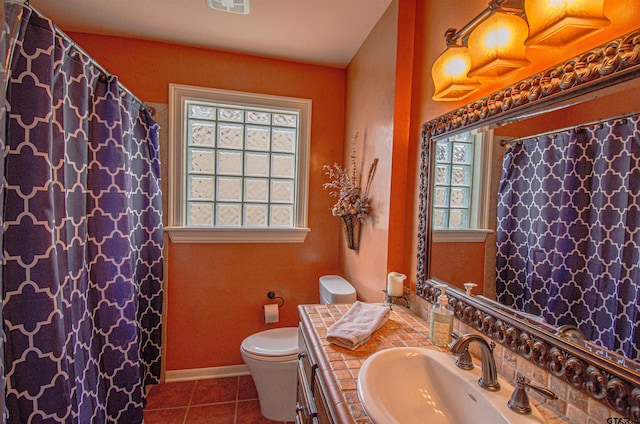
(442, 288)
(443, 299)
(441, 318)
(468, 287)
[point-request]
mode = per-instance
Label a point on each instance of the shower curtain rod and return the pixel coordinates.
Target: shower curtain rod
(75, 46)
(556, 131)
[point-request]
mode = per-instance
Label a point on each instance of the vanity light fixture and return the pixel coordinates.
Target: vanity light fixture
(489, 46)
(497, 47)
(450, 70)
(556, 23)
(495, 41)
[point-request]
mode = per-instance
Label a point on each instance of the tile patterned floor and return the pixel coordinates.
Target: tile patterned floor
(226, 400)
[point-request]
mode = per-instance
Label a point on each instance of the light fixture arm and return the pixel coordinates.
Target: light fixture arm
(515, 7)
(448, 36)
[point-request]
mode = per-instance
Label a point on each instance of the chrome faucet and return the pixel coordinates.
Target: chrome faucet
(489, 379)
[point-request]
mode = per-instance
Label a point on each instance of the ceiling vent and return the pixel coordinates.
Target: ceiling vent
(232, 6)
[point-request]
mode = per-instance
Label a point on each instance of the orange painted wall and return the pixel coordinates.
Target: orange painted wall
(216, 291)
(603, 107)
(458, 263)
(403, 166)
(379, 93)
(369, 112)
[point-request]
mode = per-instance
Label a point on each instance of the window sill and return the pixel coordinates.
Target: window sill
(236, 235)
(460, 236)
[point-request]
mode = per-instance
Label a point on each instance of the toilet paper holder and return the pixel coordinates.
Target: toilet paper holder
(272, 295)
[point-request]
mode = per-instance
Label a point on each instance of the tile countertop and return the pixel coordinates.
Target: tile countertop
(404, 328)
(340, 366)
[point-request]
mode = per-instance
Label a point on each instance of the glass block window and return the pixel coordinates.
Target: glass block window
(239, 161)
(241, 164)
(453, 182)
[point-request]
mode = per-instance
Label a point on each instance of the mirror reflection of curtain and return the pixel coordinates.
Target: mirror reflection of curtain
(82, 215)
(568, 231)
(4, 50)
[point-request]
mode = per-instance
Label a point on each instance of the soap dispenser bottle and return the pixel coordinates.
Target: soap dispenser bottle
(441, 319)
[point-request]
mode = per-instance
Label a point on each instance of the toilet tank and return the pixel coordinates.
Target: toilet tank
(335, 289)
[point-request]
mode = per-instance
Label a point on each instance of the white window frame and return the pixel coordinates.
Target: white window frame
(177, 229)
(480, 195)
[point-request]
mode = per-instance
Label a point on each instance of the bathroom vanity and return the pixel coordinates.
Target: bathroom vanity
(327, 374)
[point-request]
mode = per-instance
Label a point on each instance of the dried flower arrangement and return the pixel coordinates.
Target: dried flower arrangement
(347, 188)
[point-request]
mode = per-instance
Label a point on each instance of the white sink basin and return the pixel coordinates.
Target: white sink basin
(416, 385)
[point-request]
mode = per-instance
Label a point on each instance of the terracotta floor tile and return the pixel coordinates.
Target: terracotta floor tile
(165, 416)
(247, 388)
(215, 390)
(221, 413)
(249, 413)
(211, 401)
(170, 395)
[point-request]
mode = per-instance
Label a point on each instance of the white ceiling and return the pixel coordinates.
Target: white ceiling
(326, 32)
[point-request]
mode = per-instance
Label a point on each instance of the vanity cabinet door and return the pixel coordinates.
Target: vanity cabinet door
(322, 407)
(312, 404)
(305, 408)
(305, 362)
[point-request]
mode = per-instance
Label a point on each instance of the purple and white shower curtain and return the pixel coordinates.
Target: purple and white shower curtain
(82, 217)
(568, 234)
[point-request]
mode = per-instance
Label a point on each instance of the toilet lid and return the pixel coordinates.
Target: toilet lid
(335, 284)
(274, 342)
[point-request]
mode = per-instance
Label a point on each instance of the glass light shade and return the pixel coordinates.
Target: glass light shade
(497, 46)
(449, 74)
(556, 23)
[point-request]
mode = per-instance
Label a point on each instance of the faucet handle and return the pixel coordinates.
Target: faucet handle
(464, 359)
(519, 401)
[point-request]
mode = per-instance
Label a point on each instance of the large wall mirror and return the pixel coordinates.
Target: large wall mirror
(523, 128)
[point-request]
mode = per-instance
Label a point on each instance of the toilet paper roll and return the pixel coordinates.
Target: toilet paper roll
(271, 313)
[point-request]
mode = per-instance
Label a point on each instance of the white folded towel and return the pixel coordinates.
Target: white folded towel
(357, 324)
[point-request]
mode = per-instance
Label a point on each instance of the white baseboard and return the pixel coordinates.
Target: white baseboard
(203, 373)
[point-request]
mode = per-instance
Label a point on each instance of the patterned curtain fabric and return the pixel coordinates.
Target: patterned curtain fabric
(83, 238)
(569, 231)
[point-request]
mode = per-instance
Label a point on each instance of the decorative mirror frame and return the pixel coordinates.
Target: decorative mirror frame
(612, 383)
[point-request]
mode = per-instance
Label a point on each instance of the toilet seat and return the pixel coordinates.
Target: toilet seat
(277, 344)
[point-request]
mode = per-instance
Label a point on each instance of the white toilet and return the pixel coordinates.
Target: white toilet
(272, 356)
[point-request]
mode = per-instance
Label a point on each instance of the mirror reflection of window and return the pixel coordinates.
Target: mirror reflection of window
(457, 182)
